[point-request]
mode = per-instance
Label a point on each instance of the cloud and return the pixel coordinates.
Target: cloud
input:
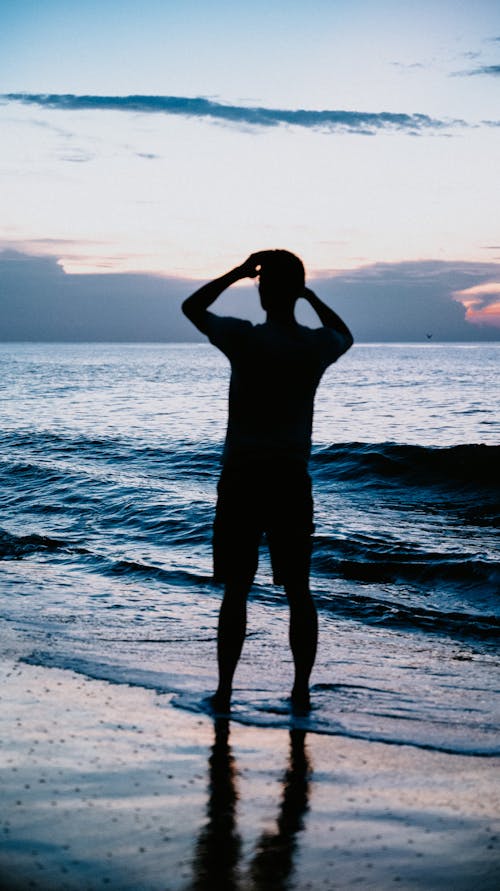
(493, 70)
(40, 302)
(382, 302)
(77, 156)
(366, 123)
(44, 125)
(407, 66)
(481, 302)
(68, 148)
(404, 301)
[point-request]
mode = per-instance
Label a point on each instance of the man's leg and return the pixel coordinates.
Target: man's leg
(290, 543)
(303, 641)
(236, 540)
(230, 639)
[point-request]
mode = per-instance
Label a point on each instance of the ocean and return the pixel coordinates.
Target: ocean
(109, 458)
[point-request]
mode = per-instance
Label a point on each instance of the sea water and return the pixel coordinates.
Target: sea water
(109, 458)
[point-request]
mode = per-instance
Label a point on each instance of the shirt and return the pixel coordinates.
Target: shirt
(275, 371)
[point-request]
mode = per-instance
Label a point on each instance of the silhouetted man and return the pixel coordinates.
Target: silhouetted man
(264, 485)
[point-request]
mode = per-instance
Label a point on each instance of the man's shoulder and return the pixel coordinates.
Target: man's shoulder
(295, 330)
(325, 344)
(226, 324)
(296, 336)
(318, 337)
(331, 339)
(226, 332)
(229, 321)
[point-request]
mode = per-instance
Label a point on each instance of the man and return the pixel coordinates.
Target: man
(264, 485)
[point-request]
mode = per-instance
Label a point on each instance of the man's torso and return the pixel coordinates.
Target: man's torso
(275, 371)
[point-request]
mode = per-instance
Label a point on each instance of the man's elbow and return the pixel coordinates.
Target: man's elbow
(199, 318)
(348, 340)
(191, 312)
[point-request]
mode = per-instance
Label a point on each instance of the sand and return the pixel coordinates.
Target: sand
(108, 786)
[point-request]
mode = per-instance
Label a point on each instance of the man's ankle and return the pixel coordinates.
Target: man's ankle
(300, 699)
(221, 700)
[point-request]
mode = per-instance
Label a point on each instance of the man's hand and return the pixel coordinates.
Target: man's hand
(251, 267)
(308, 295)
(196, 306)
(328, 317)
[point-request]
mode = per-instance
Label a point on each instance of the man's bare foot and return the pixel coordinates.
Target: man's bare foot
(301, 702)
(220, 703)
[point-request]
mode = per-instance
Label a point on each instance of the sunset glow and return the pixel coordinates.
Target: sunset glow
(482, 303)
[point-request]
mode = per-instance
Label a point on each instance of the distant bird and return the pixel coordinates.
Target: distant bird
(428, 336)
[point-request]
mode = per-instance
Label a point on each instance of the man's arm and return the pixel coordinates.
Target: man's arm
(328, 317)
(195, 307)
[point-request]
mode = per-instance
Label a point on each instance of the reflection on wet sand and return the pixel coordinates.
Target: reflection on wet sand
(218, 850)
(218, 847)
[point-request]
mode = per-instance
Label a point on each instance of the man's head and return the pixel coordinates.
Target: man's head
(281, 280)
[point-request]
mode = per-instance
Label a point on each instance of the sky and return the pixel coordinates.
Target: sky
(168, 140)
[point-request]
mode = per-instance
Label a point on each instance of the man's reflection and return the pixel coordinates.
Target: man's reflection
(273, 862)
(219, 844)
(218, 850)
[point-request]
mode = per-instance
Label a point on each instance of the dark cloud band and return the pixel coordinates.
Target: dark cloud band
(383, 302)
(329, 120)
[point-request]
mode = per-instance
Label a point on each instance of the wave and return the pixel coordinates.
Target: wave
(121, 512)
(199, 457)
(273, 711)
(416, 733)
(15, 547)
(459, 465)
(18, 547)
(460, 570)
(371, 559)
(53, 459)
(466, 464)
(372, 609)
(391, 614)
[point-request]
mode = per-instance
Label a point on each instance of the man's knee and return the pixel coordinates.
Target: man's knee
(298, 592)
(237, 589)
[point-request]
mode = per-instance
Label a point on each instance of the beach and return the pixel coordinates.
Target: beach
(107, 785)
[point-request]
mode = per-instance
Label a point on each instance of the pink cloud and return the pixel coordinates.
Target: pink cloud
(482, 303)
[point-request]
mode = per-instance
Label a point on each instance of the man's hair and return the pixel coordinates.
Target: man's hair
(281, 271)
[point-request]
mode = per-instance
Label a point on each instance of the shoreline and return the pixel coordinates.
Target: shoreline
(111, 786)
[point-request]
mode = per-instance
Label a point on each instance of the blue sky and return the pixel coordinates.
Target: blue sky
(354, 133)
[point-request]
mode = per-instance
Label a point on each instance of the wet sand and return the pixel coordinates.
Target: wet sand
(108, 786)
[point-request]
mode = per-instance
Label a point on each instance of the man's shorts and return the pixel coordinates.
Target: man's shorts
(273, 500)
